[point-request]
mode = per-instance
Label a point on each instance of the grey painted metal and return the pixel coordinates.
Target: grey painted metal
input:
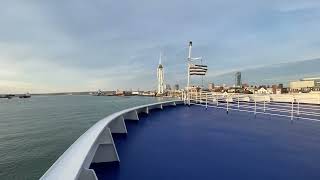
(96, 145)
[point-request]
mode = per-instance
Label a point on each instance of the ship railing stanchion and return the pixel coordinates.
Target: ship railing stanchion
(298, 110)
(206, 101)
(217, 99)
(227, 105)
(196, 97)
(292, 109)
(238, 103)
(255, 107)
(182, 97)
(264, 104)
(200, 97)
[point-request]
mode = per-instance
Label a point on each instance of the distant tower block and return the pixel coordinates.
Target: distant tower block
(160, 77)
(238, 82)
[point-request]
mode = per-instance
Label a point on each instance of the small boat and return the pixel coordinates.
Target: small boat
(27, 95)
(98, 93)
(8, 96)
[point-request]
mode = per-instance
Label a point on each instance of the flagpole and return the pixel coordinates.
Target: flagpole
(202, 76)
(189, 58)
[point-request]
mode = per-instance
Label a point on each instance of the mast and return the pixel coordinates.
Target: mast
(189, 59)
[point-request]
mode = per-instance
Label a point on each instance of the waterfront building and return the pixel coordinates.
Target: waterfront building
(238, 79)
(176, 87)
(167, 87)
(137, 92)
(277, 89)
(160, 77)
(305, 85)
(262, 90)
(119, 92)
(211, 86)
(270, 90)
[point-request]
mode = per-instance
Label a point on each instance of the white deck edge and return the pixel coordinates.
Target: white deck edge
(74, 163)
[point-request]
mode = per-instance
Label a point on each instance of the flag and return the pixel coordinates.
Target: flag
(196, 69)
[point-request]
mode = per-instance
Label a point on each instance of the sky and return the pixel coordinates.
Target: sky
(78, 45)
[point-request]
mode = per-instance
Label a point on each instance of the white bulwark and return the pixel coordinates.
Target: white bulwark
(160, 77)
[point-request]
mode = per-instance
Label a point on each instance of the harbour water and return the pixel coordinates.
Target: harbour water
(35, 132)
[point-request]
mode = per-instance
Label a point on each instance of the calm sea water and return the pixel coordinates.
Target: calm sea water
(35, 132)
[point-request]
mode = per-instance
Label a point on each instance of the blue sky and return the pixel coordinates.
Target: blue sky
(77, 45)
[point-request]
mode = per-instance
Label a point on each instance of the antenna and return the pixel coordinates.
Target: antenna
(160, 58)
(190, 46)
(189, 59)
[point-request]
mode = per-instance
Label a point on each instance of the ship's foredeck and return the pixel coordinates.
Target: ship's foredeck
(195, 143)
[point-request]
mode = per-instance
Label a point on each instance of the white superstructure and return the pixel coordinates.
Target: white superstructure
(160, 76)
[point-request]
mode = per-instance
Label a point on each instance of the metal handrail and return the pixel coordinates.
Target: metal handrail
(285, 105)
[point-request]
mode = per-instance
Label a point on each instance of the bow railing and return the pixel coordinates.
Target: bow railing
(291, 106)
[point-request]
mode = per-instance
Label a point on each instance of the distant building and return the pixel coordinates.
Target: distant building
(262, 90)
(238, 79)
(211, 86)
(280, 86)
(168, 87)
(270, 90)
(250, 89)
(176, 87)
(119, 92)
(305, 85)
(245, 85)
(137, 92)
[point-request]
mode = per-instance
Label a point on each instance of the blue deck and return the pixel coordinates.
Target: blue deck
(194, 143)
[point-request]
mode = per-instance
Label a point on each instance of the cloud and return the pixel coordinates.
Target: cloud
(291, 6)
(80, 45)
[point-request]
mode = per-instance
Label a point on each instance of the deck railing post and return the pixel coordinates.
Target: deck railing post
(255, 106)
(238, 104)
(182, 94)
(200, 101)
(227, 105)
(185, 97)
(206, 100)
(298, 111)
(264, 104)
(196, 97)
(292, 109)
(217, 99)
